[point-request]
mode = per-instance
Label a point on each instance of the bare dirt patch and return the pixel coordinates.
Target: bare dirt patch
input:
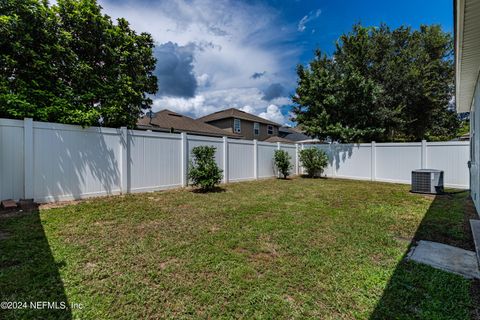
(60, 204)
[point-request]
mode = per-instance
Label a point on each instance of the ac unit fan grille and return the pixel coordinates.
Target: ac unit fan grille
(421, 182)
(427, 181)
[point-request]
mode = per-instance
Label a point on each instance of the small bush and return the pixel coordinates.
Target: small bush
(314, 161)
(204, 171)
(282, 162)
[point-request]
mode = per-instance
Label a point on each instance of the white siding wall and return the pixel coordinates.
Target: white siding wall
(475, 147)
(52, 162)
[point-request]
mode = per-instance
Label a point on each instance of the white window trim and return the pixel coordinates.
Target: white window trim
(256, 128)
(268, 130)
(235, 126)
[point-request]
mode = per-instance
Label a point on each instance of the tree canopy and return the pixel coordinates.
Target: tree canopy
(380, 84)
(70, 63)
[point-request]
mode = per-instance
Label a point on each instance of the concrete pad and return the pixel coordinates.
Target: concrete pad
(446, 258)
(475, 226)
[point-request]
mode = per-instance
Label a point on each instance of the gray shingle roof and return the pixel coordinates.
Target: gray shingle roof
(235, 113)
(292, 134)
(166, 120)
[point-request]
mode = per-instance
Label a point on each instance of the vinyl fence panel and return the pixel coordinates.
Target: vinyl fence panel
(352, 161)
(240, 160)
(70, 162)
(11, 159)
(266, 167)
(395, 161)
(292, 152)
(154, 161)
(452, 157)
(53, 162)
(196, 141)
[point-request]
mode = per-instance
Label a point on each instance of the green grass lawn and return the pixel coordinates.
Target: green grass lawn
(271, 249)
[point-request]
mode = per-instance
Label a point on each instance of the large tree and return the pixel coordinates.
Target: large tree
(380, 84)
(70, 63)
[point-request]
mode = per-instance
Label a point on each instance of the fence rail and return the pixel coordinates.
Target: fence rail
(55, 162)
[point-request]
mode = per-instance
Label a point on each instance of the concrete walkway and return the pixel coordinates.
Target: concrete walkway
(447, 258)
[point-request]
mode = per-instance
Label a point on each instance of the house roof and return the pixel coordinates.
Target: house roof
(235, 113)
(292, 134)
(467, 51)
(165, 120)
(278, 139)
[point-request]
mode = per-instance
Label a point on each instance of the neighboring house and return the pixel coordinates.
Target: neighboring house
(467, 66)
(292, 134)
(276, 139)
(248, 125)
(169, 121)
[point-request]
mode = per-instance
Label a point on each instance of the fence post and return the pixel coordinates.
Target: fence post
(225, 160)
(28, 155)
(297, 169)
(278, 148)
(332, 147)
(301, 167)
(124, 157)
(374, 161)
(184, 157)
(255, 159)
(424, 154)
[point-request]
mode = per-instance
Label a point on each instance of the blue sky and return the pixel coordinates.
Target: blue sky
(217, 54)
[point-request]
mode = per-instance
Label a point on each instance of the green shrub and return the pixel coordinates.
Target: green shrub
(204, 171)
(314, 161)
(282, 162)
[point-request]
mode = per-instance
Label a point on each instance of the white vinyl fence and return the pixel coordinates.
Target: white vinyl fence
(394, 162)
(55, 162)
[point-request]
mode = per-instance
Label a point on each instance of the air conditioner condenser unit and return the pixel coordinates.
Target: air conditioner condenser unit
(427, 181)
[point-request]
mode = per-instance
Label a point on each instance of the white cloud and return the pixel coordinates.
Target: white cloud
(235, 39)
(203, 80)
(245, 99)
(274, 114)
(229, 42)
(302, 24)
(248, 109)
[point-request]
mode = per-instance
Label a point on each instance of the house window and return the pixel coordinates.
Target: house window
(236, 126)
(256, 128)
(270, 129)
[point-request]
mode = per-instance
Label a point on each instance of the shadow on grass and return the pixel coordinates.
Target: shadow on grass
(28, 270)
(305, 176)
(206, 191)
(416, 291)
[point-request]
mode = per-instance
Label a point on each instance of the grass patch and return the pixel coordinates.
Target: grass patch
(271, 249)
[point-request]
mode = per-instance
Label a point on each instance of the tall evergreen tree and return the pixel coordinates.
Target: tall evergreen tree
(380, 84)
